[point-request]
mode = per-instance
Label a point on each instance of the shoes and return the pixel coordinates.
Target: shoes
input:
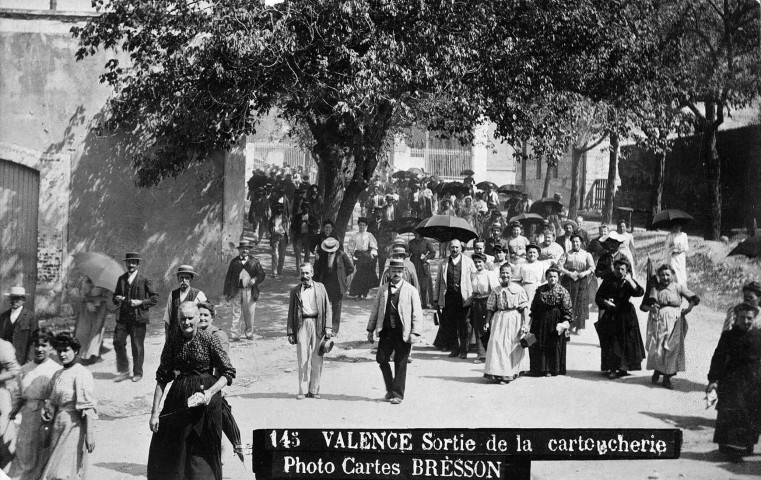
(667, 383)
(389, 396)
(612, 375)
(454, 354)
(409, 359)
(463, 356)
(137, 378)
(250, 336)
(396, 401)
(478, 361)
(655, 377)
(313, 395)
(300, 396)
(120, 377)
(234, 337)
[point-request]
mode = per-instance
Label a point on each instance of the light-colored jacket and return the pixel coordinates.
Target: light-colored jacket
(466, 287)
(410, 309)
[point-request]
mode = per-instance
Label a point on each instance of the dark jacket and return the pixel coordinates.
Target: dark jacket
(344, 268)
(324, 311)
(232, 280)
(19, 333)
(141, 289)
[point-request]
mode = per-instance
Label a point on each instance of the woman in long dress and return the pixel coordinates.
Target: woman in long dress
(507, 321)
(91, 322)
(71, 407)
(667, 326)
(551, 318)
(627, 241)
(33, 386)
(363, 248)
(735, 375)
(517, 244)
(577, 267)
(530, 274)
(677, 246)
(186, 442)
(621, 347)
(484, 282)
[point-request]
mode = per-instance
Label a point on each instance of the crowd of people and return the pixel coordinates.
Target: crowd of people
(515, 295)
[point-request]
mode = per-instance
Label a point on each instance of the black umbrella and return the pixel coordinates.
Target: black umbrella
(750, 248)
(527, 218)
(486, 184)
(445, 228)
(403, 174)
(405, 225)
(467, 172)
(666, 218)
(453, 188)
(540, 205)
(508, 189)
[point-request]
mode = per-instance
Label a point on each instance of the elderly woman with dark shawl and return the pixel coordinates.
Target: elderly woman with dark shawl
(621, 348)
(187, 435)
(735, 375)
(551, 318)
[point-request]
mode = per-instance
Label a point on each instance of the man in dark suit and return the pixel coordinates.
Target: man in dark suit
(134, 294)
(332, 269)
(244, 275)
(17, 324)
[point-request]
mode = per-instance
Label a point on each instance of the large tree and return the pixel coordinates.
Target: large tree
(200, 74)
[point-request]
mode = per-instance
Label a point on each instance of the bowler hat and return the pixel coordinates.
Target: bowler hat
(396, 263)
(326, 345)
(132, 256)
(244, 244)
(187, 269)
(329, 245)
(399, 241)
(16, 292)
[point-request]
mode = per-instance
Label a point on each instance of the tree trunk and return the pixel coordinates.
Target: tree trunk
(573, 204)
(547, 177)
(656, 195)
(610, 188)
(710, 158)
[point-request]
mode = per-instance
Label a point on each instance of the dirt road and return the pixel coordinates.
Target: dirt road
(441, 392)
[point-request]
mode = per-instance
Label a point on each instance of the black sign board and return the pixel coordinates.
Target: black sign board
(503, 454)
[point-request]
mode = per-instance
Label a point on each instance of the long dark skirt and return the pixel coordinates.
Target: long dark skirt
(621, 346)
(365, 277)
(188, 443)
(547, 355)
(478, 322)
(452, 313)
(579, 290)
(738, 422)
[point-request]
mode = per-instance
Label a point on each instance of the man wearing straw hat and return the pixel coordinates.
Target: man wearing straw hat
(244, 275)
(134, 294)
(185, 293)
(333, 268)
(17, 324)
(396, 312)
(308, 312)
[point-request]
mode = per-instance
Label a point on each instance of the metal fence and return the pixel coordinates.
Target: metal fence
(446, 163)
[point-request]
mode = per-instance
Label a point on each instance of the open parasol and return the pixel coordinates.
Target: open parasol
(467, 172)
(486, 184)
(750, 248)
(665, 218)
(509, 189)
(453, 188)
(405, 224)
(445, 228)
(416, 171)
(527, 218)
(540, 205)
(103, 270)
(403, 174)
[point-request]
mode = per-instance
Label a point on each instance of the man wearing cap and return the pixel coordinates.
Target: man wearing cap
(244, 275)
(399, 252)
(18, 323)
(308, 312)
(394, 317)
(452, 292)
(134, 294)
(185, 293)
(332, 269)
(495, 239)
(569, 226)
